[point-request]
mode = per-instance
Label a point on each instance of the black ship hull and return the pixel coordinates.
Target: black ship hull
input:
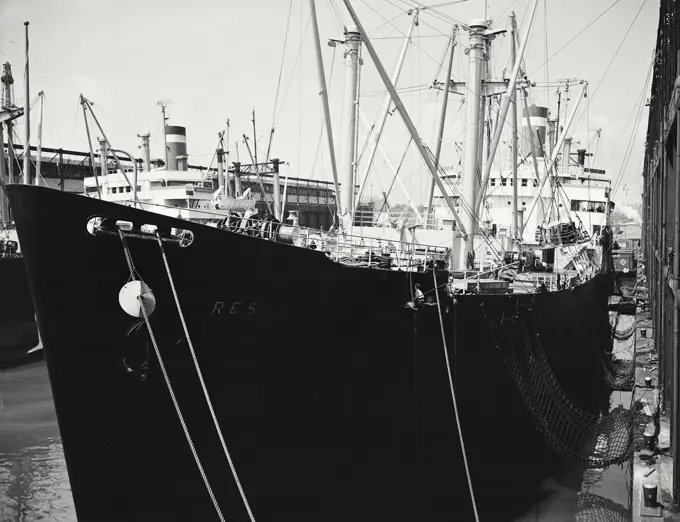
(18, 330)
(333, 396)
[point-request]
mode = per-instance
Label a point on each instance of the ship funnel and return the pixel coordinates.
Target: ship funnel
(538, 118)
(176, 138)
(581, 157)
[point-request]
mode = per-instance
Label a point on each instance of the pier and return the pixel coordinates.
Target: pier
(661, 255)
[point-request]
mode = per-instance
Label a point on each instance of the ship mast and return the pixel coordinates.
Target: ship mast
(424, 153)
(385, 110)
(347, 141)
(324, 100)
(442, 117)
(227, 187)
(515, 124)
(476, 59)
(8, 118)
(89, 142)
(505, 105)
(27, 111)
(4, 203)
(39, 151)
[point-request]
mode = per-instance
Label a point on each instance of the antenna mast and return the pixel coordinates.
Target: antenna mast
(27, 112)
(163, 104)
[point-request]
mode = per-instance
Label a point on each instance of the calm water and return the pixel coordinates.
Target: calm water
(33, 480)
(34, 484)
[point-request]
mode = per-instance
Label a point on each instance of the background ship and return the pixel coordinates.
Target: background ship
(18, 332)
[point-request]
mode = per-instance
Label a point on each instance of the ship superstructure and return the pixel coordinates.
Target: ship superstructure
(575, 193)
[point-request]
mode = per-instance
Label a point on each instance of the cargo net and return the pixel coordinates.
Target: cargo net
(561, 234)
(585, 439)
(621, 335)
(618, 375)
(594, 508)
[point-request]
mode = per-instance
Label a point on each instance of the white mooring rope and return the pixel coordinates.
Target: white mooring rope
(203, 386)
(179, 412)
(455, 403)
(128, 258)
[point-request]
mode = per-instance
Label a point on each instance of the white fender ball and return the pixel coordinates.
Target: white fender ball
(128, 297)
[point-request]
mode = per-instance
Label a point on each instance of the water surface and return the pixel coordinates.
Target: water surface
(33, 480)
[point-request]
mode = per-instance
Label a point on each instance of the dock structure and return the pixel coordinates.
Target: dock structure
(653, 463)
(661, 250)
(65, 170)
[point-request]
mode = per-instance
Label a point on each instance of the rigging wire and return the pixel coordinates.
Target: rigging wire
(576, 36)
(336, 15)
(545, 32)
(640, 99)
(75, 121)
(50, 119)
(506, 11)
(618, 49)
(413, 37)
(434, 12)
(385, 25)
(402, 33)
(302, 39)
(278, 83)
(297, 58)
(407, 90)
(629, 149)
(321, 132)
(446, 3)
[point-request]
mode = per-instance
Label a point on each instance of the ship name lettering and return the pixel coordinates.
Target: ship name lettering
(236, 308)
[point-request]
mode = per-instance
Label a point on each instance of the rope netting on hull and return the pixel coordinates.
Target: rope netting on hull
(619, 374)
(594, 508)
(585, 439)
(621, 335)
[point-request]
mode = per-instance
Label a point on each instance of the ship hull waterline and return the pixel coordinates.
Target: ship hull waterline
(332, 394)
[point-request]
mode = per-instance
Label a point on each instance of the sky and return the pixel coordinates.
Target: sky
(218, 61)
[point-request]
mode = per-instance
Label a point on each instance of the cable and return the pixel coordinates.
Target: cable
(455, 403)
(318, 145)
(640, 109)
(618, 49)
(336, 15)
(576, 36)
(297, 57)
(278, 83)
(545, 30)
(396, 28)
